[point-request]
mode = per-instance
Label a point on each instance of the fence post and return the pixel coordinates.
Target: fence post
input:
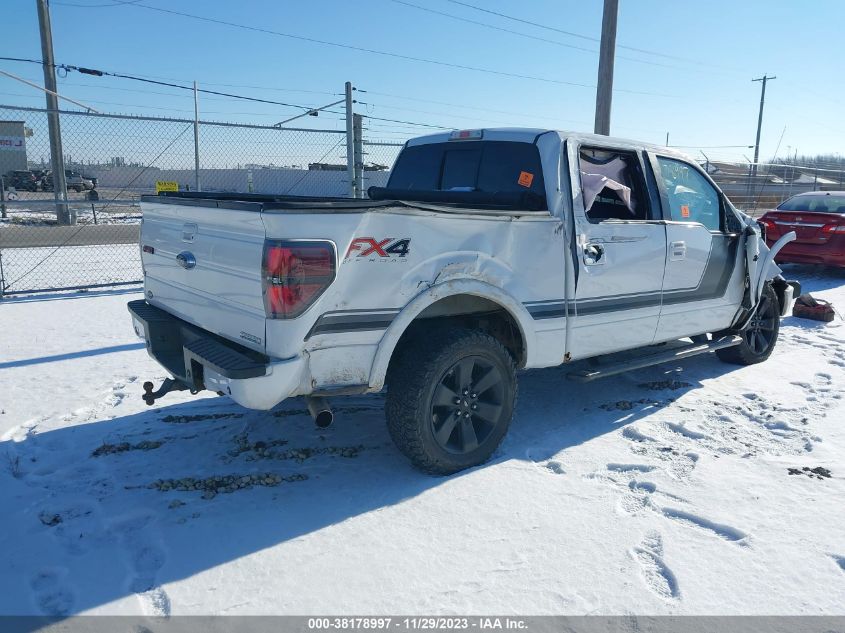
(2, 197)
(196, 140)
(350, 145)
(358, 153)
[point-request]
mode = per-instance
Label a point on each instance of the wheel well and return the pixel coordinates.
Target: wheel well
(471, 312)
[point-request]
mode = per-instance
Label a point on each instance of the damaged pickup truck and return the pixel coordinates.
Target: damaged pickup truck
(487, 252)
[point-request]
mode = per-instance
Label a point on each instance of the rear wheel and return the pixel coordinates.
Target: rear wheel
(759, 336)
(450, 399)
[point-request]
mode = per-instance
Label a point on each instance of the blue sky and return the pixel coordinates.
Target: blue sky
(697, 87)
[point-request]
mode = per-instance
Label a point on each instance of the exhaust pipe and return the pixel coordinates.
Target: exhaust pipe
(320, 411)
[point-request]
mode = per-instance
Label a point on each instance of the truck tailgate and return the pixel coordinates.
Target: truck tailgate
(202, 263)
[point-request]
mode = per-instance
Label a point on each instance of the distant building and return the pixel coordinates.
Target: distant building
(12, 146)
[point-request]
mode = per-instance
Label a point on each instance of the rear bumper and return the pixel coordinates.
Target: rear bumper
(203, 360)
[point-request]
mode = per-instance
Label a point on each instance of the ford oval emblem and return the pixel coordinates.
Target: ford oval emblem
(186, 259)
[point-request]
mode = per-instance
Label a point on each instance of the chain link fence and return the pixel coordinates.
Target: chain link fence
(754, 188)
(112, 160)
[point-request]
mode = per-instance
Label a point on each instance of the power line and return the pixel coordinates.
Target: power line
(114, 3)
(438, 127)
(572, 34)
(373, 51)
(490, 26)
(149, 107)
(528, 36)
(100, 73)
(211, 83)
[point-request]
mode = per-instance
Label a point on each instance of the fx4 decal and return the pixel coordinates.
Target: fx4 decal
(378, 249)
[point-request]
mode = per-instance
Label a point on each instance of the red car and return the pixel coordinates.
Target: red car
(818, 219)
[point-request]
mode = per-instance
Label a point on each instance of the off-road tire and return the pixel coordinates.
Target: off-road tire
(765, 323)
(427, 367)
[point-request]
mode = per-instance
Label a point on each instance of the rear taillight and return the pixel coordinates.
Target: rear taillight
(767, 226)
(830, 229)
(295, 273)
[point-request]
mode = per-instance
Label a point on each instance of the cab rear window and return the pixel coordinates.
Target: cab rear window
(470, 166)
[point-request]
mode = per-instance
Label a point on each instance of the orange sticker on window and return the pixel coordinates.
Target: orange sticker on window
(684, 211)
(525, 178)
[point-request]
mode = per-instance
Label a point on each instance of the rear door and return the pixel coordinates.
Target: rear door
(703, 285)
(202, 263)
(620, 247)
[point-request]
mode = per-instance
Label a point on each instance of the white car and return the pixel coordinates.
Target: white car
(488, 251)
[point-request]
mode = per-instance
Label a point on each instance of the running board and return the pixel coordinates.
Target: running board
(675, 354)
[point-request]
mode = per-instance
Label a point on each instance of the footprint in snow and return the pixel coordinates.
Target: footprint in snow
(637, 497)
(75, 524)
(555, 467)
(629, 468)
(146, 558)
(657, 575)
(680, 465)
(681, 429)
(721, 530)
(633, 435)
(50, 594)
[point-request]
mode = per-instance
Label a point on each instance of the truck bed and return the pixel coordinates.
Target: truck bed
(445, 202)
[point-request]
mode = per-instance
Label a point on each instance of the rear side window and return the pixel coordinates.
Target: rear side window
(486, 166)
(816, 204)
(691, 197)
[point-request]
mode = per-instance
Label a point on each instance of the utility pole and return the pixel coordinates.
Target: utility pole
(607, 52)
(763, 79)
(350, 142)
(57, 159)
(197, 186)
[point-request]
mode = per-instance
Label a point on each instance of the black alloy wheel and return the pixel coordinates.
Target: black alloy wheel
(467, 405)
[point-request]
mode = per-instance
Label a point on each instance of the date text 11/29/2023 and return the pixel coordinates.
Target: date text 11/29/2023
(417, 623)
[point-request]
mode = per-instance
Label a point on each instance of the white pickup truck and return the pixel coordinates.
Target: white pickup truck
(488, 251)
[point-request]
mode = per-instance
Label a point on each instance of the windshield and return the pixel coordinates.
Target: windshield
(821, 203)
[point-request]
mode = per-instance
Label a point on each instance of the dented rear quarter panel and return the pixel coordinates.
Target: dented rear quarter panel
(515, 258)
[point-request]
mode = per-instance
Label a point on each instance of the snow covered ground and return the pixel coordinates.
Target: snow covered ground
(26, 269)
(666, 491)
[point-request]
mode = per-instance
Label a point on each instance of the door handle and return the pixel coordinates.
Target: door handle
(677, 250)
(593, 254)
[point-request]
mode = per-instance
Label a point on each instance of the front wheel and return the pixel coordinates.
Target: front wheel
(450, 399)
(759, 336)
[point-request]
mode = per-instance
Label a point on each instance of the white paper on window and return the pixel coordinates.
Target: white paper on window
(593, 184)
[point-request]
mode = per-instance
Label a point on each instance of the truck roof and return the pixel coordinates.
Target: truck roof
(530, 135)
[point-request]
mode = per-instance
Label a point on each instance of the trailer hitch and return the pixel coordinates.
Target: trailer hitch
(168, 385)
